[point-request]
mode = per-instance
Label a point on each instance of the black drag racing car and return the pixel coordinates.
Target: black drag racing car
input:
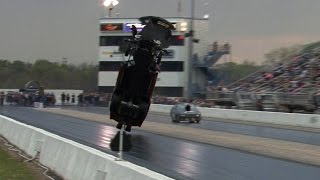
(138, 75)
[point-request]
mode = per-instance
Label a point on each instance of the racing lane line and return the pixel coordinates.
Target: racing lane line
(278, 126)
(292, 151)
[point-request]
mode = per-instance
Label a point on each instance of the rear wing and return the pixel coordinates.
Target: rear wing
(156, 20)
(156, 29)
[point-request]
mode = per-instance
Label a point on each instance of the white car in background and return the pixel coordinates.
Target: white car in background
(185, 112)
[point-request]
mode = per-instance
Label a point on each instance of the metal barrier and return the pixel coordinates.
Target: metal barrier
(269, 100)
(223, 98)
(245, 100)
(297, 101)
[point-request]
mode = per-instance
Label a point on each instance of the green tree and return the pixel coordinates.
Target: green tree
(281, 54)
(51, 75)
(236, 71)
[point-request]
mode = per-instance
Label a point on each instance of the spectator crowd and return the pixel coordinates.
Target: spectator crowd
(176, 100)
(50, 99)
(83, 99)
(298, 74)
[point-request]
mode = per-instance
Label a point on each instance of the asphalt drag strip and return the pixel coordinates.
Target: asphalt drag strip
(292, 151)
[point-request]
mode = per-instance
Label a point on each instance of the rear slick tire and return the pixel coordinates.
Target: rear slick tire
(119, 125)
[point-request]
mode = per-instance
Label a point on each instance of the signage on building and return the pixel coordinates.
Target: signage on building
(127, 26)
(139, 26)
(111, 54)
(111, 27)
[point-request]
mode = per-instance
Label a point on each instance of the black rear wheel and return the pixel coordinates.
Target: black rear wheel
(128, 128)
(119, 125)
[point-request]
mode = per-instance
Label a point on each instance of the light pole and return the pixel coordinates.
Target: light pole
(190, 60)
(110, 4)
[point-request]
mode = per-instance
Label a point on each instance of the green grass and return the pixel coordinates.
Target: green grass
(11, 169)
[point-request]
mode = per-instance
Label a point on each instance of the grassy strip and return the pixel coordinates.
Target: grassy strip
(13, 169)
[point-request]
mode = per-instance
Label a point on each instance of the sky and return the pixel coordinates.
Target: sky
(58, 29)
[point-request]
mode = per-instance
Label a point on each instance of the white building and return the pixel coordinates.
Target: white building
(173, 78)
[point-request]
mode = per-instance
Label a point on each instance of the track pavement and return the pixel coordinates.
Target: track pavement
(298, 152)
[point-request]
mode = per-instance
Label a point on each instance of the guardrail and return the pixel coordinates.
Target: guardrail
(69, 159)
(290, 119)
(270, 101)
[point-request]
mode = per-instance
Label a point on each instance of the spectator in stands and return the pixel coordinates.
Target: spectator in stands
(294, 83)
(30, 99)
(268, 76)
(63, 98)
(51, 99)
(73, 98)
(303, 73)
(96, 99)
(226, 47)
(215, 46)
(2, 95)
(224, 89)
(80, 99)
(68, 98)
(278, 70)
(9, 98)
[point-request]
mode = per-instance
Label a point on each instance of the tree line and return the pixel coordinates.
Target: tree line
(51, 75)
(54, 75)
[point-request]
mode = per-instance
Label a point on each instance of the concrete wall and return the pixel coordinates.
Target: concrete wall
(71, 160)
(292, 119)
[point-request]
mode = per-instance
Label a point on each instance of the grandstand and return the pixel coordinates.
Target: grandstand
(296, 73)
(290, 84)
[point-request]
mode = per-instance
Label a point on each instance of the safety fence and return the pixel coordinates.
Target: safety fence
(69, 159)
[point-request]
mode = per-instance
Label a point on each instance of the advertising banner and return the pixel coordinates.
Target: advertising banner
(111, 27)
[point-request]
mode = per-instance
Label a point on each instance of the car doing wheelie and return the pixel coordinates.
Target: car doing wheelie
(137, 76)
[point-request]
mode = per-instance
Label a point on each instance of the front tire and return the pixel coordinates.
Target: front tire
(177, 119)
(172, 117)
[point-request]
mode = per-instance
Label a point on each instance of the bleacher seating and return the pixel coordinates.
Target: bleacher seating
(298, 73)
(291, 83)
